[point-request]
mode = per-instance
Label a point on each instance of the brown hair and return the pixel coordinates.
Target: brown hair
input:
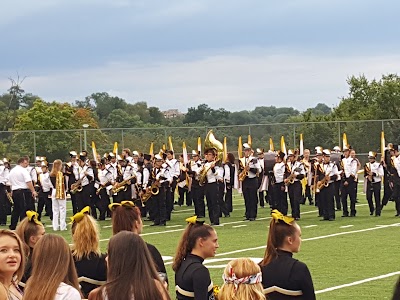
(25, 230)
(242, 267)
(231, 158)
(85, 235)
(131, 273)
(22, 159)
(57, 166)
(278, 231)
(52, 263)
(20, 272)
(188, 241)
(124, 218)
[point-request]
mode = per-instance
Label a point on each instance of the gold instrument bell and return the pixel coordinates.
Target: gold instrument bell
(212, 142)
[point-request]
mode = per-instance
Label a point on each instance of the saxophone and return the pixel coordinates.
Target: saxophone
(153, 190)
(122, 185)
(244, 173)
(10, 198)
(367, 170)
(76, 186)
(204, 171)
(102, 186)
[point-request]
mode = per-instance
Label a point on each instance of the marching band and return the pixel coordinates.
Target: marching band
(328, 179)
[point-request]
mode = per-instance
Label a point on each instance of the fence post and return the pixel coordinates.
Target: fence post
(122, 139)
(34, 145)
(80, 140)
(339, 136)
(383, 126)
(294, 136)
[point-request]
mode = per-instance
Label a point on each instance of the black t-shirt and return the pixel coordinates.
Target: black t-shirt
(158, 261)
(194, 277)
(94, 267)
(290, 274)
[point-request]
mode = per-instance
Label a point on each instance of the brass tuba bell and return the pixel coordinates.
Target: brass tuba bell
(212, 142)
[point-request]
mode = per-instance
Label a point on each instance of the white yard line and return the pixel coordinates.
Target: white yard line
(346, 226)
(237, 226)
(309, 226)
(357, 282)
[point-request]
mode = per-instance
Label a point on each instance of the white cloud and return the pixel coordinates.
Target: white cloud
(235, 82)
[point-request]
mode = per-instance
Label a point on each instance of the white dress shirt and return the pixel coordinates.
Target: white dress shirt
(19, 177)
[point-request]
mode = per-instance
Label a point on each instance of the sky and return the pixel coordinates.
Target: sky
(181, 53)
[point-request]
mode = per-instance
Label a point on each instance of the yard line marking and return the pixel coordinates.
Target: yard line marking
(237, 226)
(357, 282)
(173, 226)
(309, 226)
(346, 226)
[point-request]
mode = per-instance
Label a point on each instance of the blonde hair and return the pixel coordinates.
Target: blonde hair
(25, 230)
(242, 267)
(20, 272)
(57, 167)
(85, 235)
(52, 263)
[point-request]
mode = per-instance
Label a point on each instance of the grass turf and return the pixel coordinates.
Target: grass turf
(337, 253)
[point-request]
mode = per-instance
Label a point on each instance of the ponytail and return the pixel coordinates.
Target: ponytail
(192, 233)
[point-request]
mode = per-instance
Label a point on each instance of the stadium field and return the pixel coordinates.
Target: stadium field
(350, 258)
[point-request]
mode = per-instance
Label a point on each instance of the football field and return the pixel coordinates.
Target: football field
(350, 258)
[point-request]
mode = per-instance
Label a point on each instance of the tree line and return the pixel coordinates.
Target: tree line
(21, 111)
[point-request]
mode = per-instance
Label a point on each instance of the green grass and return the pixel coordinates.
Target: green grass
(333, 261)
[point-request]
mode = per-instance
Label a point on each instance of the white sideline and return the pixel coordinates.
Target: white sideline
(357, 282)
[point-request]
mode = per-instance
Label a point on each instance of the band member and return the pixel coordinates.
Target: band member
(279, 197)
(396, 179)
(389, 170)
(211, 187)
(229, 180)
(197, 191)
(23, 190)
(84, 178)
(250, 183)
(30, 205)
(173, 173)
(318, 174)
(373, 172)
(296, 172)
(45, 186)
(350, 166)
(38, 166)
(127, 155)
(183, 183)
(125, 175)
(58, 196)
(71, 171)
(221, 189)
(327, 189)
(4, 175)
(147, 169)
(260, 176)
(159, 179)
(307, 167)
(336, 158)
(105, 185)
(112, 165)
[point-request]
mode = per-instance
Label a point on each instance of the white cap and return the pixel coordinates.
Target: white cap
(43, 164)
(111, 154)
(119, 157)
(371, 154)
(246, 146)
(318, 150)
(259, 151)
(345, 148)
(326, 152)
(336, 148)
(194, 152)
(38, 158)
(290, 152)
(73, 153)
(5, 160)
(135, 153)
(158, 157)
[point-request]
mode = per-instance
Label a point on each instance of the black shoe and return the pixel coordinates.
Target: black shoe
(397, 215)
(200, 216)
(252, 219)
(3, 224)
(331, 219)
(214, 224)
(345, 215)
(377, 215)
(324, 219)
(371, 213)
(297, 219)
(155, 224)
(352, 216)
(246, 219)
(311, 203)
(163, 224)
(227, 216)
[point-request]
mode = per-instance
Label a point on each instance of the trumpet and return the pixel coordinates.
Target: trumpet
(10, 198)
(122, 185)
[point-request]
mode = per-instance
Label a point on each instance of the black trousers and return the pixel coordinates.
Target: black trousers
(44, 200)
(249, 188)
(221, 194)
(318, 203)
(83, 198)
(22, 200)
(211, 191)
(349, 190)
(375, 190)
(261, 199)
(295, 198)
(103, 202)
(336, 186)
(387, 190)
(280, 198)
(327, 202)
(198, 200)
(170, 196)
(74, 203)
(396, 193)
(184, 193)
(229, 197)
(160, 210)
(3, 204)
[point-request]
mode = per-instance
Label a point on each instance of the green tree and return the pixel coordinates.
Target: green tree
(119, 118)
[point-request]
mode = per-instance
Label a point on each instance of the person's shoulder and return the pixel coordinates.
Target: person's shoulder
(65, 291)
(93, 294)
(299, 265)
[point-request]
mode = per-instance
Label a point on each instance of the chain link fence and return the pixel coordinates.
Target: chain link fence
(363, 136)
